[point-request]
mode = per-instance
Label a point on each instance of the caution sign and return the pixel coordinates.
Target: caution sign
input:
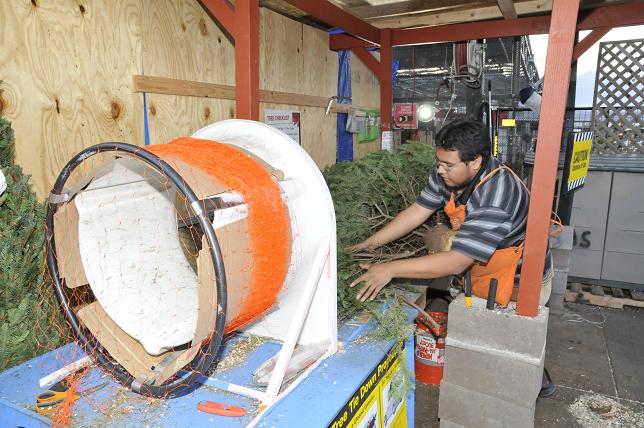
(577, 160)
(377, 403)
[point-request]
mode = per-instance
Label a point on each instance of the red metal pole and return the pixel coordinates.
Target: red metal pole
(385, 79)
(561, 39)
(247, 59)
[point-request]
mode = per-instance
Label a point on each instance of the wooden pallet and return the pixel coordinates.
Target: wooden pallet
(604, 296)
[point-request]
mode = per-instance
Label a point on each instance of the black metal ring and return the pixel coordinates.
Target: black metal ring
(210, 347)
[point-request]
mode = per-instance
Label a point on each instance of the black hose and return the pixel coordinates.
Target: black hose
(210, 346)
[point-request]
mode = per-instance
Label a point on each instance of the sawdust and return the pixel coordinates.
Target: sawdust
(598, 411)
(239, 353)
(126, 403)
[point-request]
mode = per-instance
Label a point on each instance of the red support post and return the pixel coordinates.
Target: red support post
(369, 60)
(613, 16)
(247, 59)
(386, 53)
(561, 38)
(332, 14)
(588, 41)
(339, 42)
(223, 12)
(472, 31)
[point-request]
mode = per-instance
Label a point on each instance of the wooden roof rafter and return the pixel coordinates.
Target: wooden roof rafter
(601, 17)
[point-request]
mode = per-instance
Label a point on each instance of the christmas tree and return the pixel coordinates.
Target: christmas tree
(28, 314)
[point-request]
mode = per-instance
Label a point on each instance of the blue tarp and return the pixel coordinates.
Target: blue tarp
(345, 139)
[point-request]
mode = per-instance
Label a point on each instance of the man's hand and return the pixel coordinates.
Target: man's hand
(375, 278)
(366, 245)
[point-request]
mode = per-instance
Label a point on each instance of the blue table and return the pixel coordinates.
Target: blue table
(345, 382)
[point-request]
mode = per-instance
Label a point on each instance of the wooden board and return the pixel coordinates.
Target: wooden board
(605, 301)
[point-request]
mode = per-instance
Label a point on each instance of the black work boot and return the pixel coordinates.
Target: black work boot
(548, 388)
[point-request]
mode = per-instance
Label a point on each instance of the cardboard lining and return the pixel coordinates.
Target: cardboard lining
(128, 351)
(70, 265)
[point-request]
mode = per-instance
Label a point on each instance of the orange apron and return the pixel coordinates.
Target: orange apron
(503, 263)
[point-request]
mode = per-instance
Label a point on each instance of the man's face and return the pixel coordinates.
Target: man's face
(453, 170)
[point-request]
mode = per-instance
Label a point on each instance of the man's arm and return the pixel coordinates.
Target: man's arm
(431, 266)
(406, 221)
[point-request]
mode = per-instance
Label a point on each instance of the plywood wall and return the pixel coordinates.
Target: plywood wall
(66, 73)
(67, 65)
(365, 91)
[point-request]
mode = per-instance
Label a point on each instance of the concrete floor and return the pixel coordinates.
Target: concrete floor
(595, 356)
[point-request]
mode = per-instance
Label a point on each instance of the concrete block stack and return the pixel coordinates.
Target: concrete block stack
(561, 249)
(493, 366)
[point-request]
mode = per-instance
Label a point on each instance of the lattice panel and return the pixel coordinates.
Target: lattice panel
(619, 95)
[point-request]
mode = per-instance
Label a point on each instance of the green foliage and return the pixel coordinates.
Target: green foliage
(367, 193)
(24, 327)
(7, 148)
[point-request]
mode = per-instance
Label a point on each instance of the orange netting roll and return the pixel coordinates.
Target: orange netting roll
(268, 220)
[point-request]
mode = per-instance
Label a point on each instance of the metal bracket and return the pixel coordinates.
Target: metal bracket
(55, 198)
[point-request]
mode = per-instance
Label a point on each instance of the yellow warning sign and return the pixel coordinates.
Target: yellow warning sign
(580, 160)
(510, 123)
(577, 160)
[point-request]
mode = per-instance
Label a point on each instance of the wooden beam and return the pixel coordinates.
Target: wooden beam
(333, 15)
(222, 12)
(613, 16)
(369, 60)
(507, 9)
(167, 86)
(561, 38)
(432, 18)
(369, 12)
(386, 90)
(247, 59)
(472, 31)
(344, 41)
(588, 41)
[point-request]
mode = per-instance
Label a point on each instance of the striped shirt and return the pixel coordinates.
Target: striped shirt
(496, 215)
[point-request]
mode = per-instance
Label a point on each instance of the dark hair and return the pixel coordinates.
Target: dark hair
(467, 137)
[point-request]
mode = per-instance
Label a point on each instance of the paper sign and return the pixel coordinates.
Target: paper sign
(286, 121)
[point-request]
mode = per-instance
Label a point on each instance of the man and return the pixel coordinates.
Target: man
(488, 207)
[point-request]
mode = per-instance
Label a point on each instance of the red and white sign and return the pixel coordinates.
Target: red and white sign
(405, 116)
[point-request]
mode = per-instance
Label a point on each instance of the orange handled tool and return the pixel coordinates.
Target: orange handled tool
(49, 401)
(220, 409)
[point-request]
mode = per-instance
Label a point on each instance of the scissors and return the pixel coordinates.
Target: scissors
(49, 401)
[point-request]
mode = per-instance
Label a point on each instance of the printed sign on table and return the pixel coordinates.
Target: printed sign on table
(378, 402)
(286, 121)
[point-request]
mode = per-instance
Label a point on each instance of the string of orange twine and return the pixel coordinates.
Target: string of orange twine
(268, 222)
(63, 418)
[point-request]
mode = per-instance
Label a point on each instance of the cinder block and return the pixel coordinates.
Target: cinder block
(449, 424)
(564, 240)
(556, 303)
(469, 408)
(561, 259)
(497, 332)
(503, 377)
(559, 282)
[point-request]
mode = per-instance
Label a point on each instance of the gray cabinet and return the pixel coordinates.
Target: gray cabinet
(608, 217)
